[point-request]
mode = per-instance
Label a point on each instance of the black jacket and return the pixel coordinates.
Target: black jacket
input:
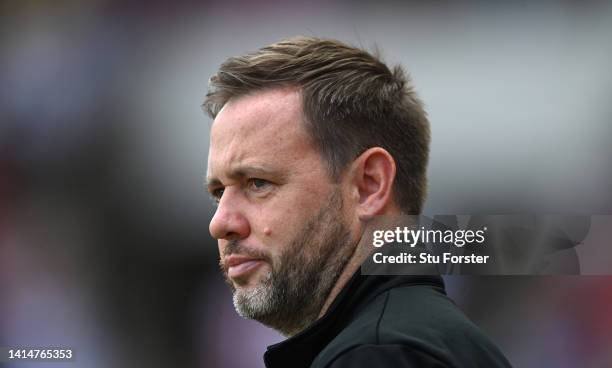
(389, 321)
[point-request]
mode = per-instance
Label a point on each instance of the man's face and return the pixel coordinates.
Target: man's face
(280, 220)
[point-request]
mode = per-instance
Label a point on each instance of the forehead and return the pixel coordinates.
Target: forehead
(263, 128)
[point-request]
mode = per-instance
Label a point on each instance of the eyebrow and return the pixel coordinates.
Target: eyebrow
(242, 172)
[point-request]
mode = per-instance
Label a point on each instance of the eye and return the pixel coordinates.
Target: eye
(217, 194)
(258, 184)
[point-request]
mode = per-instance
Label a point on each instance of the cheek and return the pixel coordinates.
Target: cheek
(278, 228)
(279, 220)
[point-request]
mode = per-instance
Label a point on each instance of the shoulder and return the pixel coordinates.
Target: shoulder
(412, 326)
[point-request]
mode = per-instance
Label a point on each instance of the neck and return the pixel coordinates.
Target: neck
(359, 256)
(391, 216)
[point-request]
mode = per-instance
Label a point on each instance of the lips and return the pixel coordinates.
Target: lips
(240, 266)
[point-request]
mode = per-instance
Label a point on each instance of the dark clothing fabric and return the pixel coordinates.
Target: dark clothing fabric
(389, 321)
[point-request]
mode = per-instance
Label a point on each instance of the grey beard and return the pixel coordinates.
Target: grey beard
(291, 297)
(257, 301)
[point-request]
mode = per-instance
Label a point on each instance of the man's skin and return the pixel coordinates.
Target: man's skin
(269, 179)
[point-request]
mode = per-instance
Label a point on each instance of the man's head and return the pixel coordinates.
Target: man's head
(351, 101)
(311, 139)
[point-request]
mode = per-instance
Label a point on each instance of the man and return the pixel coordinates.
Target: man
(311, 140)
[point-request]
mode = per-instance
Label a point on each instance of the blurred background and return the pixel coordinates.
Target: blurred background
(104, 243)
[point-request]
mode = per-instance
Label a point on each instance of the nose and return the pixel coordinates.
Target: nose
(229, 222)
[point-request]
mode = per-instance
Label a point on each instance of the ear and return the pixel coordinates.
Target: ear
(373, 174)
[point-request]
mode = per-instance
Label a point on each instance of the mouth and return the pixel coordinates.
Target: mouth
(241, 266)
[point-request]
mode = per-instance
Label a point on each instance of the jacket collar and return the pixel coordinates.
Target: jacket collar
(301, 349)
